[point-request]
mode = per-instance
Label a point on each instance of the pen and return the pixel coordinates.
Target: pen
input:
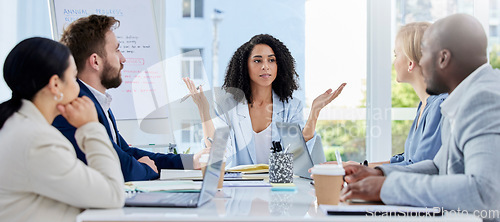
(287, 147)
(188, 95)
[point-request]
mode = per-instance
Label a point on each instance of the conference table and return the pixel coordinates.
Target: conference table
(251, 204)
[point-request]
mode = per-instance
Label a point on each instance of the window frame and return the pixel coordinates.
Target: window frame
(192, 9)
(378, 87)
(192, 127)
(186, 57)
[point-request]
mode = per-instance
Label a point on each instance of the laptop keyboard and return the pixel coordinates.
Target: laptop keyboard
(181, 198)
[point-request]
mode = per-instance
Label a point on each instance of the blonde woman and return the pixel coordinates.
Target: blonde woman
(424, 138)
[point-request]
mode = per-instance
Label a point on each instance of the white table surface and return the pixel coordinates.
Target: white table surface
(250, 204)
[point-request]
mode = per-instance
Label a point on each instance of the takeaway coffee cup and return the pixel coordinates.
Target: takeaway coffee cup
(328, 180)
(203, 162)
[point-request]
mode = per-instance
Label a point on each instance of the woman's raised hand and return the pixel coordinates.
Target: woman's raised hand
(324, 99)
(197, 94)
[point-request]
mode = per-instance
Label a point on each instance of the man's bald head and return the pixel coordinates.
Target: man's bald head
(455, 46)
(463, 35)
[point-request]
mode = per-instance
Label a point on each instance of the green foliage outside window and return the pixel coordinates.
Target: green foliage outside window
(346, 135)
(349, 136)
(403, 96)
(494, 56)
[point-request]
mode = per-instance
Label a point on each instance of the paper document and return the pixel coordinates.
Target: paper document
(254, 168)
(264, 176)
(163, 186)
(180, 174)
(389, 210)
(251, 183)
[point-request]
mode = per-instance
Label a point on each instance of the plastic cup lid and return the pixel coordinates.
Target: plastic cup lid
(203, 158)
(328, 169)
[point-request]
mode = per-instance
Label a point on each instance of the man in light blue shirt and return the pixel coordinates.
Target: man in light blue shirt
(465, 173)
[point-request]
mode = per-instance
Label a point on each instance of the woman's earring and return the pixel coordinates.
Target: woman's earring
(61, 96)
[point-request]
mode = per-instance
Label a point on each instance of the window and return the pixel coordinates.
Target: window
(493, 30)
(192, 8)
(186, 133)
(192, 64)
(334, 54)
(493, 38)
(20, 20)
(191, 132)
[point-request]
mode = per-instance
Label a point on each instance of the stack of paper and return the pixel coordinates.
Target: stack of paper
(246, 169)
(163, 186)
(180, 174)
(246, 184)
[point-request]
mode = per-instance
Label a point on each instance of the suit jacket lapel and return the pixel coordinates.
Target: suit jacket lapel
(278, 116)
(84, 91)
(245, 125)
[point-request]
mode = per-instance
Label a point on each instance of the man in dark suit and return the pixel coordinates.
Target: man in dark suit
(99, 63)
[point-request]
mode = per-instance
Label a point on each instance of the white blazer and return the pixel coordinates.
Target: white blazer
(240, 148)
(42, 180)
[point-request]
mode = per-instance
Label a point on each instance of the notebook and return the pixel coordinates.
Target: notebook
(208, 187)
(170, 174)
(249, 169)
(292, 138)
(380, 210)
(163, 186)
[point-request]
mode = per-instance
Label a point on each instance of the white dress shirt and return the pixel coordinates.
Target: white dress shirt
(105, 102)
(263, 145)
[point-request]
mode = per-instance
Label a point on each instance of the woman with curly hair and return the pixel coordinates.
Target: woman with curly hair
(262, 71)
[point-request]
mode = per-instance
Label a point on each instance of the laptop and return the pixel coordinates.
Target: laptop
(291, 136)
(189, 200)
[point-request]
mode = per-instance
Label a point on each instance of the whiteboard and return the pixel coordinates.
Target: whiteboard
(143, 89)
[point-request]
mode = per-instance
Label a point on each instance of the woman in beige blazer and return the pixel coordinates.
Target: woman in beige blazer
(40, 177)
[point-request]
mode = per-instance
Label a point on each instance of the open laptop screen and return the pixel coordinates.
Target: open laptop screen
(291, 136)
(212, 172)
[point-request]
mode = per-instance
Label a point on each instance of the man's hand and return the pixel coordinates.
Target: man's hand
(149, 162)
(355, 173)
(366, 189)
(196, 157)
